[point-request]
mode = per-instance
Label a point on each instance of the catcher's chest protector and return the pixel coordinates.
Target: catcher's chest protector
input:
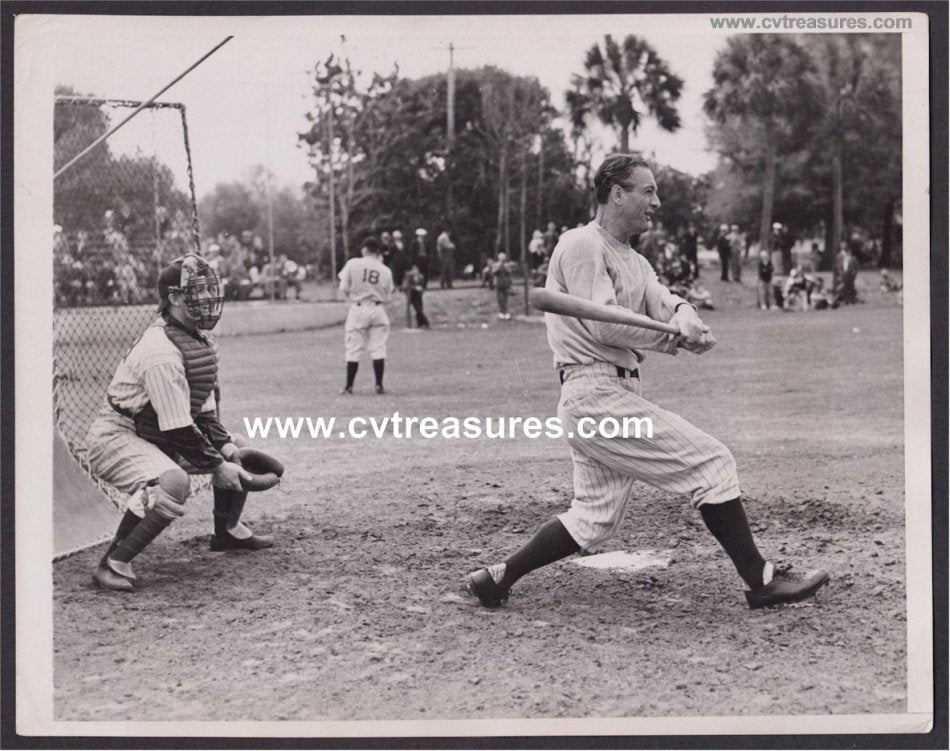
(201, 364)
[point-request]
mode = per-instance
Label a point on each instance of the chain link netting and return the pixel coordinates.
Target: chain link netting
(121, 212)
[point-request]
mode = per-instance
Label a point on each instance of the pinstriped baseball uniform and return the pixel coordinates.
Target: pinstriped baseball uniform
(152, 371)
(368, 285)
(679, 458)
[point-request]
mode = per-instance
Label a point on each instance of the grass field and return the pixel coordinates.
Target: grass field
(357, 612)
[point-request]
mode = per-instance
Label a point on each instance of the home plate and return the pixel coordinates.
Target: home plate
(624, 561)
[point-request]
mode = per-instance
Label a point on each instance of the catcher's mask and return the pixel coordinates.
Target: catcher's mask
(192, 277)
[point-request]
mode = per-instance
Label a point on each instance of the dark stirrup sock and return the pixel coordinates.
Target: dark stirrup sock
(223, 500)
(378, 367)
(549, 544)
(351, 368)
(729, 525)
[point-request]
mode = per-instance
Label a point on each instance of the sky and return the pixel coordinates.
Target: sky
(247, 102)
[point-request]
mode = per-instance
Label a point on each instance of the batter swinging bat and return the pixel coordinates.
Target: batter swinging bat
(572, 306)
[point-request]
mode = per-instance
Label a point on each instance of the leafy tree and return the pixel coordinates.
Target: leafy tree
(621, 84)
(230, 207)
(762, 104)
(856, 152)
(133, 186)
(683, 199)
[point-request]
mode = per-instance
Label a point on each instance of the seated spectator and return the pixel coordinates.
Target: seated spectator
(239, 282)
(273, 282)
(292, 273)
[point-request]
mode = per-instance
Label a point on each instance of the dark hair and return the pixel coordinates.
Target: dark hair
(371, 244)
(615, 169)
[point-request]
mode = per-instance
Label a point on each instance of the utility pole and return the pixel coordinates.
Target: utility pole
(332, 192)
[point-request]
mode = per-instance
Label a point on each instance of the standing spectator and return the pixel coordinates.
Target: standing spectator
(446, 252)
(690, 247)
(485, 263)
(536, 249)
(764, 296)
(386, 249)
(783, 242)
(414, 285)
(398, 258)
(501, 272)
(419, 255)
(845, 276)
(724, 248)
(260, 254)
(550, 239)
(737, 248)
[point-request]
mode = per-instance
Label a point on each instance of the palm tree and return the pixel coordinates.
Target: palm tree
(762, 88)
(857, 81)
(623, 83)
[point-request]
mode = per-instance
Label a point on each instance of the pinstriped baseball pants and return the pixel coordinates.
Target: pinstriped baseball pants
(119, 457)
(679, 457)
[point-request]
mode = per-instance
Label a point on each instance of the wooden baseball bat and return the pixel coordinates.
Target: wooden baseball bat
(572, 306)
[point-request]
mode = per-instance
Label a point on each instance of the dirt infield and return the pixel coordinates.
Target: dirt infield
(357, 612)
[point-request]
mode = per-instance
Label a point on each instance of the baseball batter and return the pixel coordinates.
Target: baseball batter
(599, 367)
(367, 284)
(159, 424)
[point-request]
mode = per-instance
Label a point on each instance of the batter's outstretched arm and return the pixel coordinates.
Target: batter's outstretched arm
(588, 281)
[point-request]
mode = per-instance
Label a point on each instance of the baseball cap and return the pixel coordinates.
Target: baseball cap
(170, 276)
(421, 231)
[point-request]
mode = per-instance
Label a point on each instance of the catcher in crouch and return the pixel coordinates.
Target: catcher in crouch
(159, 425)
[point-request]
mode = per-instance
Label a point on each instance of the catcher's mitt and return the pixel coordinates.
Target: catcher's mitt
(266, 470)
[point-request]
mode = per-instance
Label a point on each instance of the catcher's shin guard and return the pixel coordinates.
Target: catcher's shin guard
(169, 504)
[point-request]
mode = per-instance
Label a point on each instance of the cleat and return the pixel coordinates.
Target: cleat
(229, 542)
(481, 584)
(785, 588)
(106, 578)
(346, 390)
(380, 390)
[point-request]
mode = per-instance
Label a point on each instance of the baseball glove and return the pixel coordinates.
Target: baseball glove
(266, 470)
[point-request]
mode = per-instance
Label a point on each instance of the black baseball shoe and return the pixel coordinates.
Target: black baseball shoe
(230, 542)
(346, 390)
(785, 587)
(380, 389)
(482, 585)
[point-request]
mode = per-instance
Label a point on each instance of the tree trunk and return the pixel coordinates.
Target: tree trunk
(768, 193)
(507, 218)
(887, 235)
(501, 202)
(837, 217)
(541, 185)
(624, 139)
(827, 258)
(522, 223)
(833, 235)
